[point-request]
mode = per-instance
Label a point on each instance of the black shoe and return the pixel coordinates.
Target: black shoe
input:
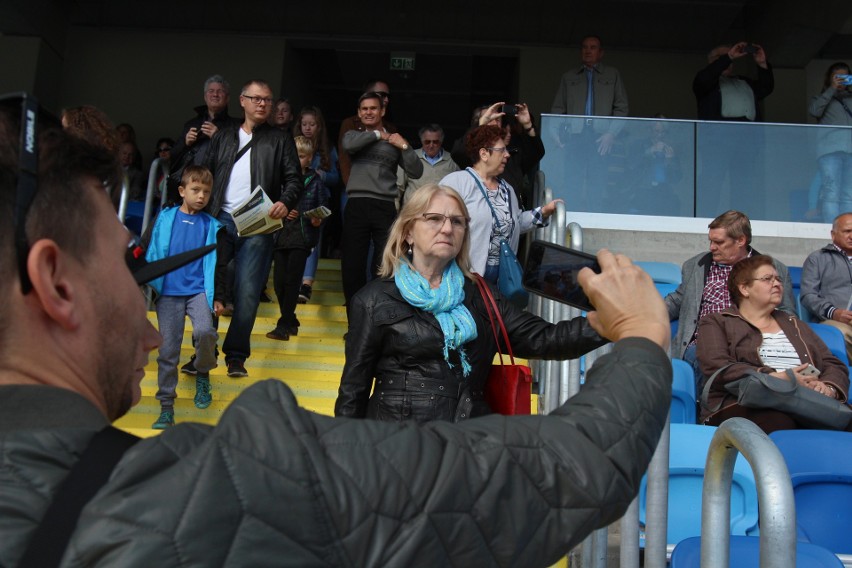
(264, 297)
(189, 368)
(237, 368)
(229, 310)
(305, 291)
(278, 333)
(292, 331)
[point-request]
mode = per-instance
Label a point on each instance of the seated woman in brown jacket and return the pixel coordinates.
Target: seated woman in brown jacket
(755, 335)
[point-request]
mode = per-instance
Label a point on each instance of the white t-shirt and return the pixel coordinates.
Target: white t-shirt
(777, 352)
(239, 186)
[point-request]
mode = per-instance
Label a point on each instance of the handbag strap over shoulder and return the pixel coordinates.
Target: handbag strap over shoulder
(488, 200)
(494, 315)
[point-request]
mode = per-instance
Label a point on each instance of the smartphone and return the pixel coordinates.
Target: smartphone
(509, 110)
(845, 79)
(551, 271)
(810, 370)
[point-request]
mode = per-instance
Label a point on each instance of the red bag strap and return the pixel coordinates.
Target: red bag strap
(494, 314)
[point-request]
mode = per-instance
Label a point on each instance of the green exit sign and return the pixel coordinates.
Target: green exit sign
(402, 62)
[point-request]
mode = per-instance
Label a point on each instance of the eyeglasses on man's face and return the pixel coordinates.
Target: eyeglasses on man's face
(257, 99)
(164, 149)
(431, 142)
(436, 221)
(383, 94)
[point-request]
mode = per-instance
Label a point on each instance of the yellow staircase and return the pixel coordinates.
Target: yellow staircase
(310, 363)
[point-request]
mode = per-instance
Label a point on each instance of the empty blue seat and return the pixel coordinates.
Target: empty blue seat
(662, 272)
(833, 338)
(795, 273)
(820, 466)
(683, 393)
(803, 312)
(687, 457)
(745, 553)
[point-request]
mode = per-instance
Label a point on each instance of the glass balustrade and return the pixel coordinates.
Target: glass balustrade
(680, 168)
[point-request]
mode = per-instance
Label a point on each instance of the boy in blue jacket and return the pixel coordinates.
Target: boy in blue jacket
(187, 291)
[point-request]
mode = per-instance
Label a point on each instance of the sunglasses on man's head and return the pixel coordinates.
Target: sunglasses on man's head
(31, 116)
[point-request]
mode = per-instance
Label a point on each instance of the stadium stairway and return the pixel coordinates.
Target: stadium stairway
(310, 363)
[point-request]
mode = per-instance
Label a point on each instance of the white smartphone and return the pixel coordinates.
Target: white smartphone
(810, 370)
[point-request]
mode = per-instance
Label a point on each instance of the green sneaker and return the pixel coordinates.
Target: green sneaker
(166, 420)
(203, 398)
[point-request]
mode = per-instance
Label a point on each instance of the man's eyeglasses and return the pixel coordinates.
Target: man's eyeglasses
(383, 94)
(431, 142)
(769, 278)
(436, 221)
(164, 149)
(257, 100)
(502, 149)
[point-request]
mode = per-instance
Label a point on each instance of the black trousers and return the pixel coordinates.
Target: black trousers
(365, 221)
(287, 278)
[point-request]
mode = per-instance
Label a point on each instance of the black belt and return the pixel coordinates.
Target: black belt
(424, 385)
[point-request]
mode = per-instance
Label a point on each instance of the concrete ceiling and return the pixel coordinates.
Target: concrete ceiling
(793, 32)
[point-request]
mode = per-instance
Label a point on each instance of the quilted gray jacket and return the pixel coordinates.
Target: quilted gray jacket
(275, 485)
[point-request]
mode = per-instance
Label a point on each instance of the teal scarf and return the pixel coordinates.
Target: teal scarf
(445, 303)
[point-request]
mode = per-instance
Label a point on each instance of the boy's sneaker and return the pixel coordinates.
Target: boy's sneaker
(237, 368)
(189, 368)
(305, 291)
(166, 420)
(203, 398)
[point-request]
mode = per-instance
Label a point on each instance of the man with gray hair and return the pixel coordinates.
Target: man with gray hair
(436, 162)
(827, 280)
(192, 144)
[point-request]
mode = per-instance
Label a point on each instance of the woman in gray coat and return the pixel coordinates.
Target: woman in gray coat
(834, 145)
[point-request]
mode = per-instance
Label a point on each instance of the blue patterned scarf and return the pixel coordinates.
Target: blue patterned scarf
(445, 303)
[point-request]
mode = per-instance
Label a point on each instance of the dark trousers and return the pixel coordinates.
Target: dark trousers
(287, 277)
(365, 221)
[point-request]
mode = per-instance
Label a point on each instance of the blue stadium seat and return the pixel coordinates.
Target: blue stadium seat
(661, 272)
(687, 457)
(833, 338)
(683, 393)
(745, 553)
(820, 466)
(795, 278)
(803, 312)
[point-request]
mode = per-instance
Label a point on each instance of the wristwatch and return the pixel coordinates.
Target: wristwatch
(405, 146)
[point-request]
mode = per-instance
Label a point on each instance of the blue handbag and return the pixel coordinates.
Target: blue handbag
(511, 274)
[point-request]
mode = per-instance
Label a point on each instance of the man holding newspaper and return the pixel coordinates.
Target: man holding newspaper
(244, 159)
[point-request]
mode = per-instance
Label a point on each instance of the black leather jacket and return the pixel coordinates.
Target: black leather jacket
(274, 164)
(402, 348)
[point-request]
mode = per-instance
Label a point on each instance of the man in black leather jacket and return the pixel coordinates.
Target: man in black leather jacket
(271, 163)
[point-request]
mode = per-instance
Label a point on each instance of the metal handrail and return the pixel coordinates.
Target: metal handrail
(776, 503)
(161, 164)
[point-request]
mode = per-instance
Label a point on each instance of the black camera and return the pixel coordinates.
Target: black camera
(510, 110)
(750, 48)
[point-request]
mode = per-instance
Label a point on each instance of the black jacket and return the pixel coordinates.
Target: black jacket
(274, 164)
(402, 348)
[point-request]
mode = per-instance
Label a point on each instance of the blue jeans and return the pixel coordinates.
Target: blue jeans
(690, 357)
(171, 319)
(836, 191)
(252, 259)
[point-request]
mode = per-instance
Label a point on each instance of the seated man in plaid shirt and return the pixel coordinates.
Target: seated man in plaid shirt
(704, 282)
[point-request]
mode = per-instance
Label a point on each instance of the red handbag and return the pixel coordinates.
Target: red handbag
(508, 388)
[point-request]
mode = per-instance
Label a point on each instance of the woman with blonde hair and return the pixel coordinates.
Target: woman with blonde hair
(421, 330)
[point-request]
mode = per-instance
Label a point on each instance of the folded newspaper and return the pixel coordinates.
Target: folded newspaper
(252, 217)
(320, 212)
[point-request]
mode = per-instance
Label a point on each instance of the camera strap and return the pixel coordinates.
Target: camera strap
(84, 480)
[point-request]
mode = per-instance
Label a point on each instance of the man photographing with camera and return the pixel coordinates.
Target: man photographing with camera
(721, 95)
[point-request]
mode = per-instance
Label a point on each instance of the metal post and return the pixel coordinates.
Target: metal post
(629, 549)
(774, 495)
(149, 194)
(657, 502)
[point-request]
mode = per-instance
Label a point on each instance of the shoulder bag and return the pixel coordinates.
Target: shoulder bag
(511, 275)
(508, 387)
(760, 390)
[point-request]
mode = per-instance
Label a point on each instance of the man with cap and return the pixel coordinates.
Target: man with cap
(272, 480)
